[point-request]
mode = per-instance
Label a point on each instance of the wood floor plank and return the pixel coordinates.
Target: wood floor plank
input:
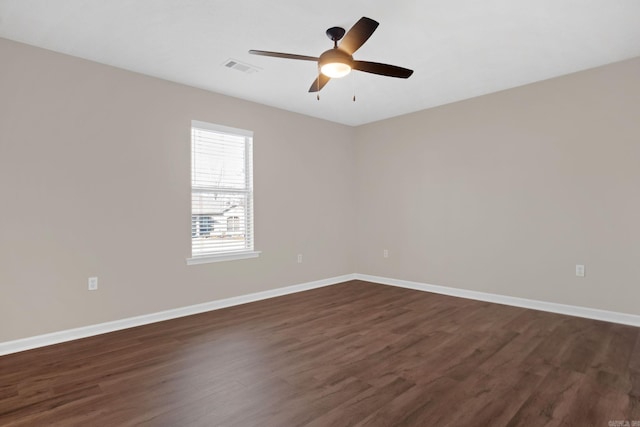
(358, 407)
(411, 408)
(356, 353)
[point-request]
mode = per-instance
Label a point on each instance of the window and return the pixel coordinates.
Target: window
(221, 193)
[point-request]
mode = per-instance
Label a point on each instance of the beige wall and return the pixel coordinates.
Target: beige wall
(94, 178)
(503, 193)
(506, 193)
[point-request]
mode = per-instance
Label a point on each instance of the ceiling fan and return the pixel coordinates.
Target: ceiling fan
(338, 61)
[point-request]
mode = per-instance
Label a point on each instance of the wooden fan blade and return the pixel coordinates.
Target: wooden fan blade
(358, 34)
(382, 69)
(319, 83)
(283, 55)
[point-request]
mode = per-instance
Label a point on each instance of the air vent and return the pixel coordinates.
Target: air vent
(241, 66)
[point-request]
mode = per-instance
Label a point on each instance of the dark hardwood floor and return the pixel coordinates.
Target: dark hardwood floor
(351, 354)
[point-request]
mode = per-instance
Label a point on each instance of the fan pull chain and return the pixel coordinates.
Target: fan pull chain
(318, 84)
(354, 87)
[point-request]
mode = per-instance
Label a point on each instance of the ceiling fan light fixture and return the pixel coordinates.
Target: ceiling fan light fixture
(335, 63)
(335, 70)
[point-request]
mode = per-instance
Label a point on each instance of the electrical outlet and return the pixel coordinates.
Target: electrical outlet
(385, 253)
(299, 258)
(580, 270)
(93, 284)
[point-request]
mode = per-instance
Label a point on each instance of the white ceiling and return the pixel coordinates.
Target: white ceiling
(458, 48)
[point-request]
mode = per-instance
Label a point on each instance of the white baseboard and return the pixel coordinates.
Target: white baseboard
(15, 346)
(571, 310)
(23, 344)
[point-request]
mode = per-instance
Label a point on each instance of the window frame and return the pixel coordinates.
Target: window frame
(249, 218)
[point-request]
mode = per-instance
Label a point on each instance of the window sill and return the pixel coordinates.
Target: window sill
(222, 257)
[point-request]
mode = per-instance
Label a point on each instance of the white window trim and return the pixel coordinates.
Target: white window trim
(223, 257)
(229, 256)
(219, 128)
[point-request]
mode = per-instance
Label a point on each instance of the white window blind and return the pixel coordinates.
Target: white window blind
(221, 190)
